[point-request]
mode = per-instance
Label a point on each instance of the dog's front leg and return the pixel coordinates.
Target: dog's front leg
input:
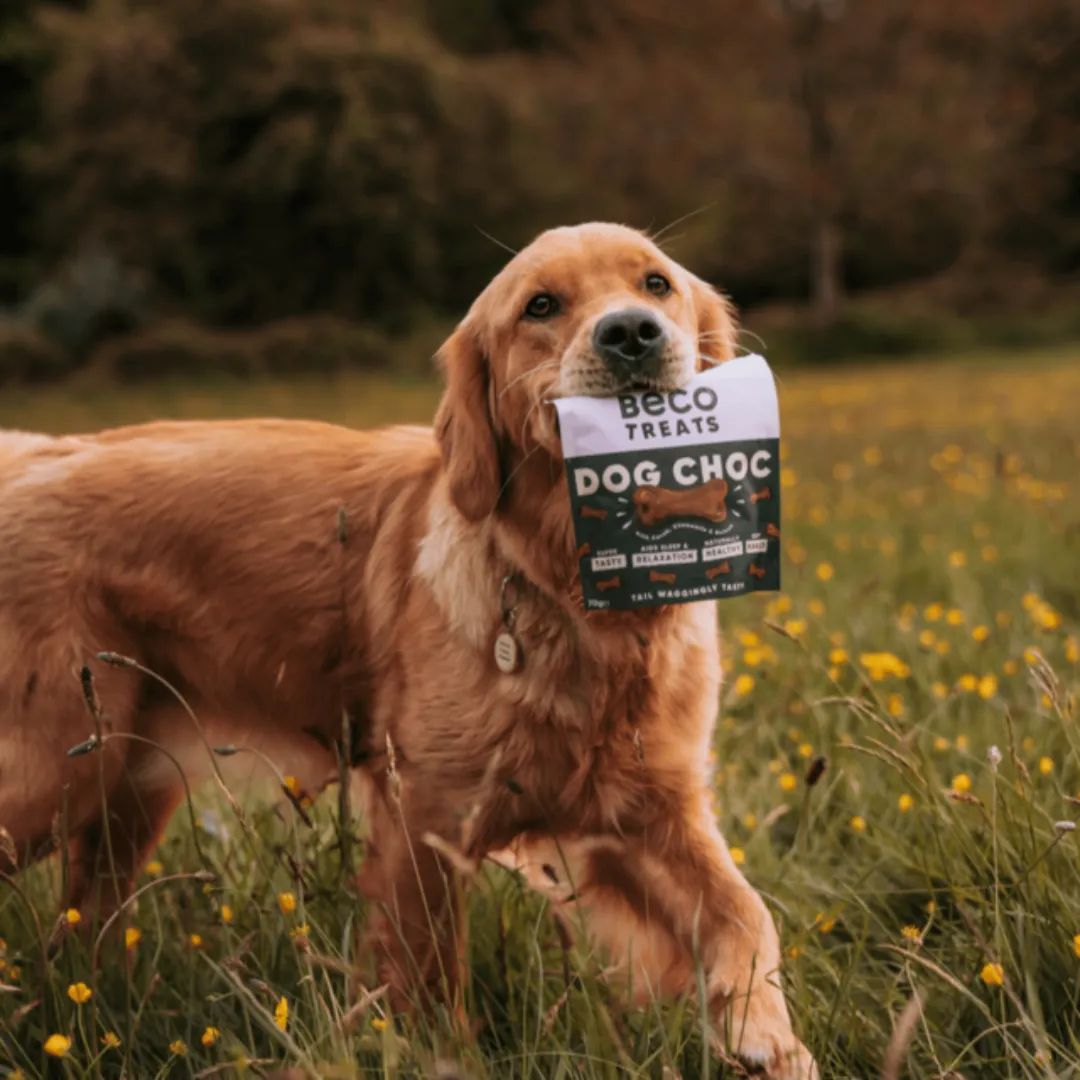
(663, 902)
(418, 931)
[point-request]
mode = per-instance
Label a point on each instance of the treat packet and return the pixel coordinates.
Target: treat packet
(676, 496)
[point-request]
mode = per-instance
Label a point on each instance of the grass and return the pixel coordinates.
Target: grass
(931, 614)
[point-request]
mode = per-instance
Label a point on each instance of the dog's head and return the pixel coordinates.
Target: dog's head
(594, 309)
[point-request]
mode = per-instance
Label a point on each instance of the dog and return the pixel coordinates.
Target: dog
(280, 575)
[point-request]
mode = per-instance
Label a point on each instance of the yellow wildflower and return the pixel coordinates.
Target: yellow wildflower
(933, 612)
(939, 690)
(73, 916)
(961, 782)
(816, 608)
(132, 936)
(824, 926)
(738, 856)
(281, 1014)
(993, 975)
(880, 665)
(1076, 944)
(806, 750)
(1031, 656)
(378, 1023)
(968, 683)
(226, 913)
(210, 1036)
(788, 782)
(57, 1045)
(905, 803)
(195, 941)
(287, 902)
(838, 656)
(896, 705)
(988, 685)
(927, 638)
(1046, 765)
(962, 743)
(858, 823)
(912, 933)
(957, 559)
(80, 993)
(824, 571)
(872, 455)
(795, 627)
(980, 633)
(110, 1040)
(178, 1047)
(744, 684)
(1010, 667)
(750, 820)
(154, 867)
(955, 617)
(749, 640)
(941, 744)
(989, 553)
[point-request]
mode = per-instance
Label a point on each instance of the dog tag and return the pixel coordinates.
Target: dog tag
(507, 653)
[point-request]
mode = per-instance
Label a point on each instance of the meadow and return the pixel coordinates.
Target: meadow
(897, 770)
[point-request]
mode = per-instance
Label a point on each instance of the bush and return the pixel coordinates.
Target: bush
(793, 339)
(92, 299)
(27, 355)
(179, 348)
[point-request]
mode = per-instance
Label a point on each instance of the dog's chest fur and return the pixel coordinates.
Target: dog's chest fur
(607, 717)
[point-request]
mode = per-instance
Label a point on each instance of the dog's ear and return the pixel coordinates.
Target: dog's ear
(464, 426)
(717, 326)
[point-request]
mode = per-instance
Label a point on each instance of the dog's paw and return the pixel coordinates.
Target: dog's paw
(757, 1031)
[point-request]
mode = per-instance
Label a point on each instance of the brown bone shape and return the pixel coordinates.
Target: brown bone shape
(716, 571)
(656, 504)
(757, 571)
(609, 583)
(593, 512)
(656, 577)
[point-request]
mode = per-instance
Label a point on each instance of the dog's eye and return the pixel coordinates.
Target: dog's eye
(542, 306)
(657, 284)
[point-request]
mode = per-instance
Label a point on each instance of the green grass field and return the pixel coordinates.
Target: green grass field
(927, 645)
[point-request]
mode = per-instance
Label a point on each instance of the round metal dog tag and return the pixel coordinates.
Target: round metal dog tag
(507, 653)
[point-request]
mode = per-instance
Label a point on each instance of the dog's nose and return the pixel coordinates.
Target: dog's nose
(629, 342)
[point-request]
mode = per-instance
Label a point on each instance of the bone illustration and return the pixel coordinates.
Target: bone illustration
(593, 512)
(656, 504)
(657, 577)
(609, 583)
(714, 572)
(757, 571)
(759, 496)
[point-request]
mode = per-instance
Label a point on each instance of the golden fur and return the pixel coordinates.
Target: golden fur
(209, 553)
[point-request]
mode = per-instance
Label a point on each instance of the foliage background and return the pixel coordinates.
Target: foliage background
(885, 176)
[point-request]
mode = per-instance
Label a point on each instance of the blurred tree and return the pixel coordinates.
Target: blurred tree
(20, 74)
(257, 160)
(267, 159)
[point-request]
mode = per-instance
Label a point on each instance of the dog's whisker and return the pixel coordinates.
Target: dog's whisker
(655, 237)
(525, 374)
(495, 240)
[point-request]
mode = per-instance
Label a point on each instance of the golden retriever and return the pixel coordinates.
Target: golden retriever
(277, 573)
